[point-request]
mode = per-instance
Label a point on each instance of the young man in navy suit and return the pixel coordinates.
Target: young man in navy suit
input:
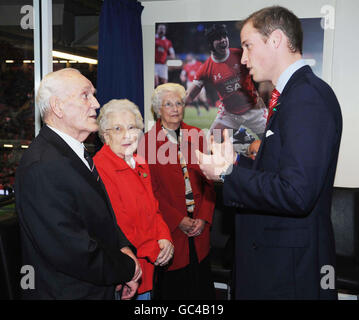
(68, 229)
(285, 243)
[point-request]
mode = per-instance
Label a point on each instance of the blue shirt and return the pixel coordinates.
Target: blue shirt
(286, 75)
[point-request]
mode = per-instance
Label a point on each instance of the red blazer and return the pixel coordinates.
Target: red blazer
(169, 188)
(135, 207)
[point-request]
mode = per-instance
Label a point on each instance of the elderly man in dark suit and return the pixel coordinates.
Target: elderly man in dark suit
(284, 232)
(68, 230)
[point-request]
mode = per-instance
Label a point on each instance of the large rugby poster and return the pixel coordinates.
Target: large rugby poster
(182, 48)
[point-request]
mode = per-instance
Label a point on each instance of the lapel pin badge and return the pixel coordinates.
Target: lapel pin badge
(275, 108)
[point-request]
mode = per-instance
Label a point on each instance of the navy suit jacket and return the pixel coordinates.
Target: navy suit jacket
(68, 230)
(284, 231)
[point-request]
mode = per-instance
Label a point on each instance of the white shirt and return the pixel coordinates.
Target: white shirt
(286, 75)
(131, 162)
(75, 145)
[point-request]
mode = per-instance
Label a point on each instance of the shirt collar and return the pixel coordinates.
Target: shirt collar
(223, 59)
(286, 75)
(162, 38)
(119, 163)
(131, 162)
(75, 145)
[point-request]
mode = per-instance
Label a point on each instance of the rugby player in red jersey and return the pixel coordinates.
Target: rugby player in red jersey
(241, 108)
(163, 50)
(187, 76)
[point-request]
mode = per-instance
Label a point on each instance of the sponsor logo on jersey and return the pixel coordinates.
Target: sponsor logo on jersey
(217, 76)
(232, 85)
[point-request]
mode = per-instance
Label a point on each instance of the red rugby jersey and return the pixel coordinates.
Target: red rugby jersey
(162, 47)
(232, 81)
(191, 69)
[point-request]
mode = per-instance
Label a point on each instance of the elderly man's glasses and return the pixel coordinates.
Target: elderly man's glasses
(122, 130)
(170, 105)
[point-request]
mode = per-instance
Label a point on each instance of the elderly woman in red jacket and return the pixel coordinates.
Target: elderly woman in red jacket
(128, 183)
(186, 198)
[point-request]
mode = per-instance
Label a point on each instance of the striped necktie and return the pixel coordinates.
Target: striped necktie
(175, 138)
(91, 164)
(272, 103)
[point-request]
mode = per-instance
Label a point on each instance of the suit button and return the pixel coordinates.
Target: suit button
(254, 246)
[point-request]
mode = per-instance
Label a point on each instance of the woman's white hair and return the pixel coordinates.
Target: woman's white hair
(49, 87)
(117, 106)
(156, 100)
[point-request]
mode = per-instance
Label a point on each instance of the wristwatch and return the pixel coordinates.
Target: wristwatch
(226, 172)
(222, 176)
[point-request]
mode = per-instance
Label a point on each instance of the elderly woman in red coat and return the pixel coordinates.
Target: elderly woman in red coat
(186, 198)
(128, 183)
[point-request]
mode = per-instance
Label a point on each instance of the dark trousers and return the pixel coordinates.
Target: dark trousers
(193, 282)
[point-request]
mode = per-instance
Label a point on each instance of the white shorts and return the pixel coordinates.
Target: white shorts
(161, 70)
(254, 121)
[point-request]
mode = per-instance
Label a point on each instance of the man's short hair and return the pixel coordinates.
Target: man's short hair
(48, 88)
(269, 19)
(215, 32)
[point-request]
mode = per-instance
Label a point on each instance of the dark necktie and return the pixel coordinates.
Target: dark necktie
(272, 103)
(98, 179)
(91, 164)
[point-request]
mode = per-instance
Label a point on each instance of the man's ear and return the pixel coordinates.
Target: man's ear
(56, 106)
(276, 38)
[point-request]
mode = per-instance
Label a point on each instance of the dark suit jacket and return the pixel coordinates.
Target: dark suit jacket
(284, 232)
(68, 229)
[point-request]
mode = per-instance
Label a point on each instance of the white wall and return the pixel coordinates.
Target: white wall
(346, 86)
(340, 60)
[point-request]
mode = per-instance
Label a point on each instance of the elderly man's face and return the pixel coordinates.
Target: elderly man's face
(79, 104)
(172, 110)
(122, 133)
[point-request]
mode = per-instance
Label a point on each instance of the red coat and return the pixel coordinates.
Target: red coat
(135, 207)
(169, 188)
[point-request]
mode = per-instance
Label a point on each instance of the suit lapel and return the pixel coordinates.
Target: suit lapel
(264, 139)
(281, 100)
(275, 112)
(75, 161)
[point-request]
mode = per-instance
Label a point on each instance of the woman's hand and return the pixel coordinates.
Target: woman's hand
(166, 253)
(186, 225)
(199, 225)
